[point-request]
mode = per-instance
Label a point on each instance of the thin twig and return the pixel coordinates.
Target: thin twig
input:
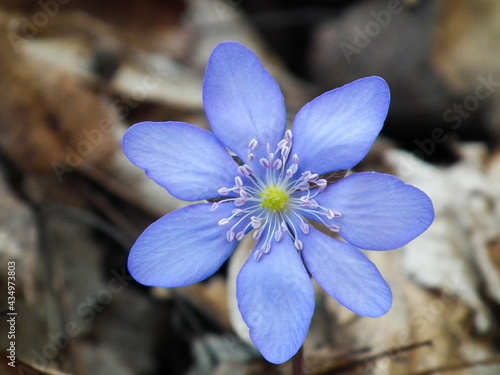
(298, 363)
(462, 366)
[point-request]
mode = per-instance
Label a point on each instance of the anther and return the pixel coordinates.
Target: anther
(238, 202)
(230, 235)
(334, 228)
(322, 183)
(214, 206)
(313, 203)
(224, 221)
(333, 214)
(245, 170)
(298, 244)
(243, 195)
(285, 151)
(282, 144)
(292, 170)
(264, 163)
(224, 191)
(305, 227)
(257, 254)
(256, 222)
(238, 182)
(253, 144)
(283, 226)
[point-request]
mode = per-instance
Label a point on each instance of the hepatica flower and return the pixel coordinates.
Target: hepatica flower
(274, 193)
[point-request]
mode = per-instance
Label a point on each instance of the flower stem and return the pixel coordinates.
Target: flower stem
(298, 363)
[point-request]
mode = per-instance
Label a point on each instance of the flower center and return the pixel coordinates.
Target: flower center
(274, 199)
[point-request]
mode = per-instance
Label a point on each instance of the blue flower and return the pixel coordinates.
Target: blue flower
(274, 193)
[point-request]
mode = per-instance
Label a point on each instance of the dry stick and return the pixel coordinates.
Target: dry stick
(298, 363)
(437, 370)
(347, 365)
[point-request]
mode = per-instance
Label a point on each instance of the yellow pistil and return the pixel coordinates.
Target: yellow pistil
(274, 199)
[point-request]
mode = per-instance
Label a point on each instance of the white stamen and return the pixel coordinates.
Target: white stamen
(304, 227)
(256, 222)
(245, 170)
(268, 148)
(298, 244)
(257, 254)
(278, 235)
(249, 194)
(285, 151)
(322, 183)
(313, 204)
(238, 182)
(330, 214)
(292, 170)
(265, 163)
(266, 249)
(282, 144)
(252, 146)
(238, 202)
(224, 221)
(244, 195)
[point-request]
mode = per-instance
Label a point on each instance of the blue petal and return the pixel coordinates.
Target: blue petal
(379, 211)
(182, 248)
(242, 100)
(346, 274)
(337, 129)
(276, 300)
(187, 161)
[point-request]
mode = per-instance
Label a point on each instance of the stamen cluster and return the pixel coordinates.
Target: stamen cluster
(272, 199)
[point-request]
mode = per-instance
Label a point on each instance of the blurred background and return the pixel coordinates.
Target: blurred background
(75, 74)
